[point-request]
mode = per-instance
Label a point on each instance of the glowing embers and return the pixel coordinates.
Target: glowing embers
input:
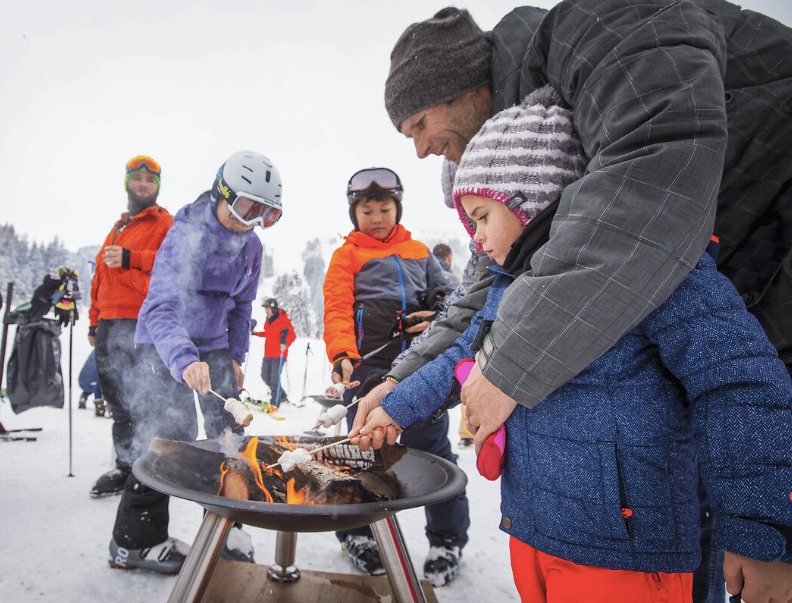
(235, 479)
(341, 474)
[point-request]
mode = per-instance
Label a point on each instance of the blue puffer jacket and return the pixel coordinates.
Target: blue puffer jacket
(603, 472)
(202, 288)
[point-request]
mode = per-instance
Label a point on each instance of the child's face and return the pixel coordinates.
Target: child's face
(497, 228)
(376, 216)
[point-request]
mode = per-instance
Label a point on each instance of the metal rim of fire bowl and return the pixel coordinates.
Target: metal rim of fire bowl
(425, 478)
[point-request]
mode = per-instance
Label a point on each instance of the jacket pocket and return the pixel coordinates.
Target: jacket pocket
(576, 493)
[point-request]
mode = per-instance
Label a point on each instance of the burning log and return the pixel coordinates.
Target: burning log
(343, 475)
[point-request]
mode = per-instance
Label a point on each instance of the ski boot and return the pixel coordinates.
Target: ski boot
(166, 557)
(101, 407)
(442, 564)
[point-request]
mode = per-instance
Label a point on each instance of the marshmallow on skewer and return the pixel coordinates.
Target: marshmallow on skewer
(292, 458)
(241, 414)
(332, 415)
(335, 391)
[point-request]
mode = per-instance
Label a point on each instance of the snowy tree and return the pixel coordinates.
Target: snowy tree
(267, 265)
(314, 273)
(290, 293)
(26, 265)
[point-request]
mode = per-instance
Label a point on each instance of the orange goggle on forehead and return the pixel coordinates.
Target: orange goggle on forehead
(142, 161)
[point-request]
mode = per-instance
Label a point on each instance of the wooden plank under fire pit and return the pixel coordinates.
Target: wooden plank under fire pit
(248, 583)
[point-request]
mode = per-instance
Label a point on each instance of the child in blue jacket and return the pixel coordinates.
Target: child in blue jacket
(599, 484)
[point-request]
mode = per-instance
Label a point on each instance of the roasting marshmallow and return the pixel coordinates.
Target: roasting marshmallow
(335, 391)
(291, 458)
(241, 414)
(332, 416)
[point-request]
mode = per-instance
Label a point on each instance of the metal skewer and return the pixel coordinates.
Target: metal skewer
(344, 441)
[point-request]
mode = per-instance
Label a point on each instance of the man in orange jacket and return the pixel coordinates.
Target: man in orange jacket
(278, 335)
(119, 286)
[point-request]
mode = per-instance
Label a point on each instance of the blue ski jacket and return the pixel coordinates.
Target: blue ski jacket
(202, 287)
(604, 471)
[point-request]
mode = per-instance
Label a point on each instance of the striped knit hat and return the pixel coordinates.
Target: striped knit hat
(522, 157)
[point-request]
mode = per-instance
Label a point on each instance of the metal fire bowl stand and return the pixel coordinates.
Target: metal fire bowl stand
(426, 479)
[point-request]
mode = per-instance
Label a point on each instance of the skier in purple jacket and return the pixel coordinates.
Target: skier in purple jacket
(194, 329)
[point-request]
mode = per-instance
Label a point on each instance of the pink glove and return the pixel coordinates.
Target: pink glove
(492, 455)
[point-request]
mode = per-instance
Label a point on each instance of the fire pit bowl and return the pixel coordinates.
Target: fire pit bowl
(425, 479)
(325, 401)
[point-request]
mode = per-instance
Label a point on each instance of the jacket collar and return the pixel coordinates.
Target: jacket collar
(146, 214)
(399, 235)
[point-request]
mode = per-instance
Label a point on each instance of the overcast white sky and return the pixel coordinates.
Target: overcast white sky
(88, 84)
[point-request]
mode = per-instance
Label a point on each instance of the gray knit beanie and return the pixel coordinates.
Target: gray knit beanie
(522, 157)
(436, 61)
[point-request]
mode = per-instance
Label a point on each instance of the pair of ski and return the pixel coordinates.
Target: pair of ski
(10, 435)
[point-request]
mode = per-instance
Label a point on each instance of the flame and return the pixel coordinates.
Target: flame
(223, 471)
(286, 442)
(292, 497)
(250, 456)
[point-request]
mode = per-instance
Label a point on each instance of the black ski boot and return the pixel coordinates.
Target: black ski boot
(111, 482)
(101, 407)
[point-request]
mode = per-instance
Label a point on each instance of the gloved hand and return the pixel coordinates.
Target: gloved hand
(63, 316)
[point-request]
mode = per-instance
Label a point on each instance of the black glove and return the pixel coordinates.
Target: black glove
(63, 316)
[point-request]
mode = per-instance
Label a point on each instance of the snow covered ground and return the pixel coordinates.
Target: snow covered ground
(54, 537)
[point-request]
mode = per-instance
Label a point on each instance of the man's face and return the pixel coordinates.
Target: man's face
(142, 189)
(376, 216)
(446, 129)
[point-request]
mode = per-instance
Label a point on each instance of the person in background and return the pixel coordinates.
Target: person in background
(599, 488)
(89, 384)
(278, 334)
(194, 331)
(371, 293)
(118, 288)
(443, 254)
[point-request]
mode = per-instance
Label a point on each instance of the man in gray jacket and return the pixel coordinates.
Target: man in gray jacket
(683, 108)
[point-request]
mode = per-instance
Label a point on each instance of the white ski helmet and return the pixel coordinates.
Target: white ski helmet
(249, 176)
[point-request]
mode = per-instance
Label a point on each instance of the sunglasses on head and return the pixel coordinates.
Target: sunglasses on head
(251, 210)
(373, 181)
(143, 161)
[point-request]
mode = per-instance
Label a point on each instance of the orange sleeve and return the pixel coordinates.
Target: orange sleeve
(96, 282)
(339, 300)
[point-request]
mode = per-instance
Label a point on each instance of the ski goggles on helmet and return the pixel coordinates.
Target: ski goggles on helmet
(251, 210)
(374, 181)
(143, 162)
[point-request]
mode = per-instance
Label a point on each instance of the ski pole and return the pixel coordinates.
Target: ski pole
(71, 361)
(278, 387)
(305, 377)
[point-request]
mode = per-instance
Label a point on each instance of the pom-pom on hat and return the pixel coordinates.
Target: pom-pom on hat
(522, 157)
